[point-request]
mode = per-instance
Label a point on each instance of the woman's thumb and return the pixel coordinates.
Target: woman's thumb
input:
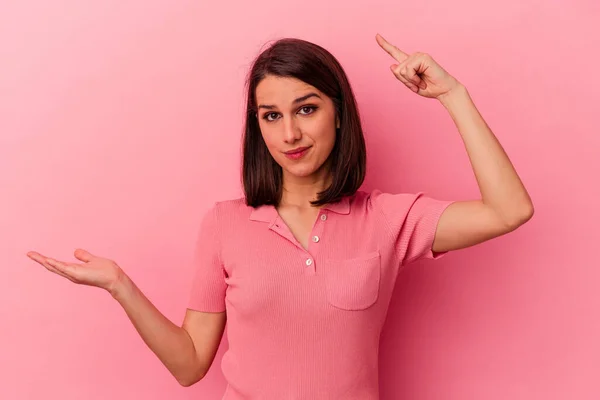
(83, 255)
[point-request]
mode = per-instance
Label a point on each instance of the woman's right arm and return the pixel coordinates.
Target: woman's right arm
(187, 351)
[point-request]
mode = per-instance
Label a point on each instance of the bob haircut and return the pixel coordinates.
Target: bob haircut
(296, 58)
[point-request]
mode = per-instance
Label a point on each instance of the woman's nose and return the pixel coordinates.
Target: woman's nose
(291, 132)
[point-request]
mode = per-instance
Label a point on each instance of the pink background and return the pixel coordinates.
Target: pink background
(120, 124)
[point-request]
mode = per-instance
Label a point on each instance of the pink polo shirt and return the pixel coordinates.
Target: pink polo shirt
(306, 324)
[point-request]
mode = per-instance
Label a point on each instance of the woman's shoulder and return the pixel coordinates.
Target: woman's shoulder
(386, 200)
(368, 195)
(230, 205)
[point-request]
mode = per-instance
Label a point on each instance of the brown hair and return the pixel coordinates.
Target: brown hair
(312, 64)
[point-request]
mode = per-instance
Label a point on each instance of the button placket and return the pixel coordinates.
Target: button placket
(281, 229)
(316, 235)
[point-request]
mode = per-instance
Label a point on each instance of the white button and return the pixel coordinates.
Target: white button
(309, 262)
(323, 217)
(315, 239)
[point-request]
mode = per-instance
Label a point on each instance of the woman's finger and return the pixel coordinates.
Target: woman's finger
(410, 70)
(43, 262)
(84, 255)
(401, 78)
(67, 269)
(411, 75)
(58, 272)
(392, 50)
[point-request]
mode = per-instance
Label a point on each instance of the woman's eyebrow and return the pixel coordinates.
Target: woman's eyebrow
(298, 100)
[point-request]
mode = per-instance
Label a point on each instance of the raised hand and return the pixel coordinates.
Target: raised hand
(94, 271)
(419, 71)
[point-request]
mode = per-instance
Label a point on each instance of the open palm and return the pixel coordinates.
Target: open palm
(94, 271)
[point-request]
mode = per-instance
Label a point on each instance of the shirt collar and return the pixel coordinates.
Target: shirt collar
(268, 213)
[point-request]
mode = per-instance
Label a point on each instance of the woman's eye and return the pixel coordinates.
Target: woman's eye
(310, 109)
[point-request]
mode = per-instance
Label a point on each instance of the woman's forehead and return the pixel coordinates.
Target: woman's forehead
(282, 90)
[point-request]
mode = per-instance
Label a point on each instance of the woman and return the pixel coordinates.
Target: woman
(303, 267)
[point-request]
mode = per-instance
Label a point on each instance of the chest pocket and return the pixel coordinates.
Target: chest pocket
(353, 284)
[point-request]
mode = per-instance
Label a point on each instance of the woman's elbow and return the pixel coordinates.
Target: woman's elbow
(191, 378)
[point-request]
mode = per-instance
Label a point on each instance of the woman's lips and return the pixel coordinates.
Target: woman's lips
(297, 154)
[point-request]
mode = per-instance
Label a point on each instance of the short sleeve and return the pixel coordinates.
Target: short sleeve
(412, 222)
(208, 284)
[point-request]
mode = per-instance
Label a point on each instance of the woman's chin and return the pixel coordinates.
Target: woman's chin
(300, 171)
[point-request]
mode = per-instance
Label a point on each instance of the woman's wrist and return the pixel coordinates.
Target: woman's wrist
(121, 286)
(457, 93)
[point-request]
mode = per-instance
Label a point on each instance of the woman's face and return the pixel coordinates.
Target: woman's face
(294, 115)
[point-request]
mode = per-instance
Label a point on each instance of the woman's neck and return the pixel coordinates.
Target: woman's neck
(299, 192)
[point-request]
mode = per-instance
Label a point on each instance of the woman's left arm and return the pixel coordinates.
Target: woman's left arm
(505, 204)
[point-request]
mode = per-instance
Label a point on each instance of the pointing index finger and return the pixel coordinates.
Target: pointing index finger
(392, 50)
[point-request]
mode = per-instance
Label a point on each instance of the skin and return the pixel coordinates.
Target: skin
(293, 114)
(504, 204)
(188, 351)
